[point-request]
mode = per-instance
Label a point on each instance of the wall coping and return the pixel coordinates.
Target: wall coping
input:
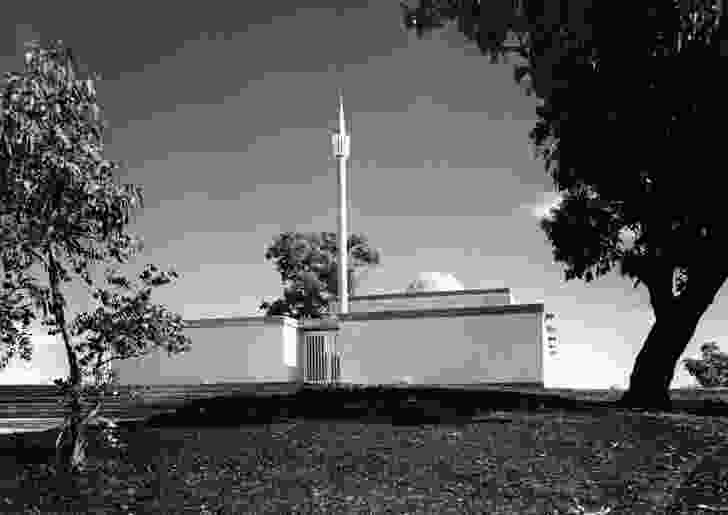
(241, 321)
(332, 322)
(320, 324)
(402, 295)
(444, 312)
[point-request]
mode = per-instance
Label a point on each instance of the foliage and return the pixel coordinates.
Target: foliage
(307, 264)
(63, 212)
(126, 325)
(15, 320)
(624, 114)
(661, 48)
(712, 369)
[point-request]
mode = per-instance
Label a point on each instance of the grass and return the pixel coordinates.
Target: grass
(380, 452)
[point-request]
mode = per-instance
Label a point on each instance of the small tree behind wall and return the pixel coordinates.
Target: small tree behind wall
(307, 264)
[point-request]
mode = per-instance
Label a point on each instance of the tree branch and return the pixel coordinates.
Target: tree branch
(115, 358)
(703, 284)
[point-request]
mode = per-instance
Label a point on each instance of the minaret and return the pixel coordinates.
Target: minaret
(341, 143)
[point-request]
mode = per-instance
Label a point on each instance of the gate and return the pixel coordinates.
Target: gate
(321, 359)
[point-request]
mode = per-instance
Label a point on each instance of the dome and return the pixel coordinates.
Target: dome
(434, 281)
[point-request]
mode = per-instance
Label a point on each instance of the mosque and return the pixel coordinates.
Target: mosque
(433, 332)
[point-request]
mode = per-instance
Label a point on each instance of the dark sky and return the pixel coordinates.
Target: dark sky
(220, 110)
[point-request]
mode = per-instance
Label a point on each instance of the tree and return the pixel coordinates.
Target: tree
(307, 263)
(629, 102)
(710, 371)
(62, 213)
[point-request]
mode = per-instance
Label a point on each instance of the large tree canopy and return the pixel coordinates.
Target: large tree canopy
(307, 263)
(628, 127)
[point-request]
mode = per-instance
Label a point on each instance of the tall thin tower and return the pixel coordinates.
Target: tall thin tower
(341, 144)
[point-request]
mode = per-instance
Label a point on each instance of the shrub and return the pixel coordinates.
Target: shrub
(712, 370)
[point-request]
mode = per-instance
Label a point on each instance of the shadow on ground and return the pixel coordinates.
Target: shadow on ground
(388, 405)
(398, 406)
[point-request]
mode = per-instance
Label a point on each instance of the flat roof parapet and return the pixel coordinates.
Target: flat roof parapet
(241, 321)
(443, 312)
(382, 296)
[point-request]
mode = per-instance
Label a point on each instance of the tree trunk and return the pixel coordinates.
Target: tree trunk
(649, 384)
(71, 445)
(676, 317)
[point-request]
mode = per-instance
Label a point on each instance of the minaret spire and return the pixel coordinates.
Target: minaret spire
(342, 122)
(341, 143)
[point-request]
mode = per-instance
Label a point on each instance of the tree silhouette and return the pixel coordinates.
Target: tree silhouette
(630, 98)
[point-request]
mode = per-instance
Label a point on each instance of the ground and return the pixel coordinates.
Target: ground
(504, 461)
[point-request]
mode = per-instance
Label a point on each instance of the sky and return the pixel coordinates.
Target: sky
(221, 111)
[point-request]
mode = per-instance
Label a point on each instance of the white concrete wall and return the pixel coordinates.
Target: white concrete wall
(251, 349)
(497, 345)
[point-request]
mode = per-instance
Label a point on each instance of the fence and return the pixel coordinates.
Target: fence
(321, 359)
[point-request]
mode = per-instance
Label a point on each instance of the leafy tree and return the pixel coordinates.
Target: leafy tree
(63, 212)
(307, 263)
(712, 369)
(629, 105)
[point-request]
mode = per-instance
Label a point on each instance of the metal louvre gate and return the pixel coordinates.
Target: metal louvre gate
(322, 362)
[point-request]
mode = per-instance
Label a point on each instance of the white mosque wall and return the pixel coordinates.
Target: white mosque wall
(245, 349)
(473, 345)
(488, 344)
